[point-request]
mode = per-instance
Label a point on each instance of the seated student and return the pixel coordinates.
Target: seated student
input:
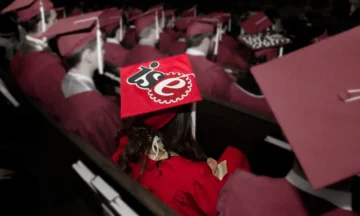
(158, 149)
(113, 26)
(36, 69)
(212, 79)
(90, 114)
(320, 123)
(147, 31)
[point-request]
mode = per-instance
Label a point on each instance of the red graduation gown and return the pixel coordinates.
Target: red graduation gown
(40, 75)
(230, 58)
(229, 42)
(115, 54)
(250, 195)
(165, 42)
(188, 187)
(95, 118)
(171, 32)
(130, 37)
(177, 48)
(215, 82)
(143, 53)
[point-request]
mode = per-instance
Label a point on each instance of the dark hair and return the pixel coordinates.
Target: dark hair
(31, 25)
(197, 39)
(73, 60)
(176, 137)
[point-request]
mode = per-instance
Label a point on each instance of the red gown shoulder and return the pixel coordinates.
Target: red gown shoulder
(227, 57)
(165, 42)
(130, 37)
(177, 48)
(115, 54)
(143, 53)
(229, 42)
(95, 118)
(40, 76)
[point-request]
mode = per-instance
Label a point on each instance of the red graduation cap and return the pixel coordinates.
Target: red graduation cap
(313, 95)
(170, 13)
(158, 7)
(134, 12)
(160, 10)
(264, 40)
(75, 32)
(157, 88)
(182, 24)
(75, 12)
(256, 23)
(191, 12)
(26, 9)
(146, 19)
(111, 19)
(201, 25)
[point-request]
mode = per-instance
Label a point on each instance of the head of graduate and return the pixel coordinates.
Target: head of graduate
(113, 25)
(159, 125)
(35, 16)
(201, 35)
(79, 42)
(147, 27)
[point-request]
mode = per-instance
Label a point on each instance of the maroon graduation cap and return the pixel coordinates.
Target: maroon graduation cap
(155, 90)
(315, 96)
(264, 40)
(256, 23)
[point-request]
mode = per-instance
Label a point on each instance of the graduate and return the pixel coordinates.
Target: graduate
(130, 35)
(158, 148)
(147, 30)
(318, 110)
(112, 24)
(179, 46)
(36, 69)
(211, 77)
(88, 113)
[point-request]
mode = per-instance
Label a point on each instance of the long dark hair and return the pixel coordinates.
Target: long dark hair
(176, 137)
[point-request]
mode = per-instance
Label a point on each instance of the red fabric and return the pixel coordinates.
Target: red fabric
(75, 12)
(26, 9)
(196, 28)
(143, 53)
(271, 53)
(229, 42)
(130, 37)
(215, 82)
(115, 54)
(95, 118)
(177, 48)
(247, 194)
(165, 42)
(230, 58)
(171, 32)
(235, 159)
(158, 86)
(188, 187)
(40, 76)
(257, 23)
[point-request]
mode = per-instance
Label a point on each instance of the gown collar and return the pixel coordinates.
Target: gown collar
(74, 84)
(194, 52)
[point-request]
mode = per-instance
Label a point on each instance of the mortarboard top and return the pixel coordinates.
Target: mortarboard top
(144, 20)
(169, 13)
(201, 25)
(182, 24)
(314, 94)
(222, 17)
(256, 23)
(191, 12)
(70, 27)
(156, 89)
(26, 9)
(134, 12)
(110, 19)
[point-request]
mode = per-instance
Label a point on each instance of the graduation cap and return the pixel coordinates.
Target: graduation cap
(264, 40)
(134, 12)
(75, 32)
(170, 15)
(160, 10)
(111, 19)
(27, 9)
(256, 23)
(75, 12)
(191, 12)
(155, 90)
(202, 25)
(314, 94)
(146, 19)
(222, 17)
